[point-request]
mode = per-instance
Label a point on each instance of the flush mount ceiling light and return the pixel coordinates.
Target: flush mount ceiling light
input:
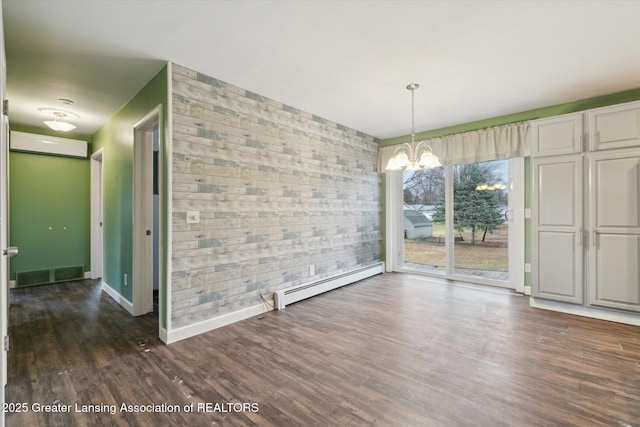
(413, 156)
(59, 122)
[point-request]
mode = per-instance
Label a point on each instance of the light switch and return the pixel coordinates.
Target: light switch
(527, 213)
(193, 217)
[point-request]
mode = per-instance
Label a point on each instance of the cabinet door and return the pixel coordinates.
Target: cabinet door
(557, 135)
(557, 256)
(614, 222)
(614, 127)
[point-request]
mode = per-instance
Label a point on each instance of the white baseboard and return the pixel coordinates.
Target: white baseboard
(12, 284)
(579, 310)
(163, 335)
(214, 323)
(117, 297)
(527, 290)
(87, 275)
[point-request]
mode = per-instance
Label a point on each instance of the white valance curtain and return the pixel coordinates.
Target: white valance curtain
(500, 142)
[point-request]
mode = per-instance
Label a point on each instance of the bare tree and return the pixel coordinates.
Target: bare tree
(424, 186)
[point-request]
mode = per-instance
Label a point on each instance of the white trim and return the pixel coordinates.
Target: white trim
(142, 289)
(163, 335)
(117, 297)
(12, 284)
(393, 221)
(449, 254)
(97, 203)
(4, 220)
(215, 323)
(87, 274)
(516, 239)
(579, 310)
(527, 290)
(168, 139)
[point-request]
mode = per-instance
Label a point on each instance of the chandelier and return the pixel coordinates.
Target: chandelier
(413, 156)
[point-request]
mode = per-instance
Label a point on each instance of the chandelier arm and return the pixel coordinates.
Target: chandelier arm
(403, 146)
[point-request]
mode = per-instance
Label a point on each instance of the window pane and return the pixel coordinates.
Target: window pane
(424, 228)
(480, 203)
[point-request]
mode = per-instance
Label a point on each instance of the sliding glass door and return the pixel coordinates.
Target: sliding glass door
(457, 221)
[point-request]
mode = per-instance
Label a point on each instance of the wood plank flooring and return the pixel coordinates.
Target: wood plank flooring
(392, 350)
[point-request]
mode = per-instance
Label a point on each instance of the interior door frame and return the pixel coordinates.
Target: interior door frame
(97, 214)
(4, 220)
(143, 212)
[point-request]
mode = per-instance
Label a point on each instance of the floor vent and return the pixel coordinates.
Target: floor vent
(287, 296)
(42, 277)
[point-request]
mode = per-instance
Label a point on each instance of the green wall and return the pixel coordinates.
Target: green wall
(116, 140)
(554, 110)
(49, 209)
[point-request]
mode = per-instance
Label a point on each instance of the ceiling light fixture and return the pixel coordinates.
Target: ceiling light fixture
(59, 124)
(412, 156)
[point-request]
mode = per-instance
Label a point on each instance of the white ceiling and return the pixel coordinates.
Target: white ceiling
(347, 61)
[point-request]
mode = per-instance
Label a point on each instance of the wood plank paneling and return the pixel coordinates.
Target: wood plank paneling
(278, 190)
(392, 350)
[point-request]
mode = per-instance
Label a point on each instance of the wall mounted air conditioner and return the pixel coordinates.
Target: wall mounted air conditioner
(52, 145)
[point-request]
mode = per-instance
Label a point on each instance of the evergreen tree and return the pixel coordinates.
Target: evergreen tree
(475, 210)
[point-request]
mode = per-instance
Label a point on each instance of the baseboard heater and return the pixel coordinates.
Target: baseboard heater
(287, 296)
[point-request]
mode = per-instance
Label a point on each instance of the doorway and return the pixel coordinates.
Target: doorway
(146, 213)
(97, 235)
(463, 222)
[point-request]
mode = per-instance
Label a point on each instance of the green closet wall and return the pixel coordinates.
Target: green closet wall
(49, 200)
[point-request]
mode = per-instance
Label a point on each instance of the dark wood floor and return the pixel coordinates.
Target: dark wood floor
(393, 350)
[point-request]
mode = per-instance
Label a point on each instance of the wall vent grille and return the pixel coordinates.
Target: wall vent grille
(68, 273)
(42, 277)
(30, 278)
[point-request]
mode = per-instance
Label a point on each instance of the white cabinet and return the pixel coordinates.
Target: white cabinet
(614, 127)
(585, 203)
(557, 256)
(557, 136)
(614, 223)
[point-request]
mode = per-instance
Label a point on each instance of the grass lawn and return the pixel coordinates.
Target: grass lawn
(492, 254)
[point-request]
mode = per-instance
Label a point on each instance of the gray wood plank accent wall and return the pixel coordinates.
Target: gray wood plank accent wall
(278, 190)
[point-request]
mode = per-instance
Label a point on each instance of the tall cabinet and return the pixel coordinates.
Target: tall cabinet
(586, 208)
